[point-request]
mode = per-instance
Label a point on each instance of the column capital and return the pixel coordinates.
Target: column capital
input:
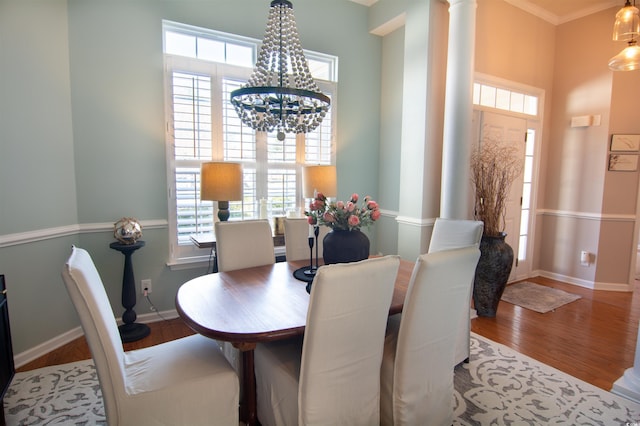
(457, 2)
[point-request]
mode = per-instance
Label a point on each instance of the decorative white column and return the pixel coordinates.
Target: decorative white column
(628, 385)
(421, 117)
(458, 110)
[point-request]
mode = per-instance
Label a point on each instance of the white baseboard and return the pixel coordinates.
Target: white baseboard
(583, 283)
(36, 352)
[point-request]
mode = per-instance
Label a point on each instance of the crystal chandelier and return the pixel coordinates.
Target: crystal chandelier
(281, 93)
(627, 28)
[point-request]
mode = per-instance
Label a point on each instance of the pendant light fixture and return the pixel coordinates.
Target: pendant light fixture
(627, 28)
(281, 93)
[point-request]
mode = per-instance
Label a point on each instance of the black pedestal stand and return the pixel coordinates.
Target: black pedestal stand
(130, 331)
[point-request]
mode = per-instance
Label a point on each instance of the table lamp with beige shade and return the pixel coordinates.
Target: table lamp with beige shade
(221, 182)
(320, 178)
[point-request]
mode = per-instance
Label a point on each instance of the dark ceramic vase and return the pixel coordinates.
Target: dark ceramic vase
(345, 246)
(492, 274)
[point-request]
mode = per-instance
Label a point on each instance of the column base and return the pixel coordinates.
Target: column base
(628, 386)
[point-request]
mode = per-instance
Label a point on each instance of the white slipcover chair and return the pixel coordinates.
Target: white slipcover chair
(243, 244)
(331, 376)
(449, 234)
(296, 239)
(417, 374)
(182, 382)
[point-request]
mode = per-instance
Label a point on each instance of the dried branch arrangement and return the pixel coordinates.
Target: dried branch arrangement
(494, 167)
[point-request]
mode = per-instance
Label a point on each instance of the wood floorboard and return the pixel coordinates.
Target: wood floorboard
(593, 338)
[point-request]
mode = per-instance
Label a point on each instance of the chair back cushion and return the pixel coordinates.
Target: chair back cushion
(243, 244)
(436, 300)
(296, 239)
(449, 234)
(92, 304)
(343, 342)
(452, 233)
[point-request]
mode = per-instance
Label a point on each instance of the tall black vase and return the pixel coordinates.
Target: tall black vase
(345, 246)
(492, 274)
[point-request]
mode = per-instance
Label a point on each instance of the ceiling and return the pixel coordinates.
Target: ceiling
(553, 11)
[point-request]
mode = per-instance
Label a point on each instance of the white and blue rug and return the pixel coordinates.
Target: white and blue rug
(502, 387)
(498, 387)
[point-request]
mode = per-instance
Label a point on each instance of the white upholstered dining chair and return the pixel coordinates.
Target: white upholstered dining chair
(332, 374)
(243, 244)
(296, 239)
(449, 234)
(417, 374)
(183, 382)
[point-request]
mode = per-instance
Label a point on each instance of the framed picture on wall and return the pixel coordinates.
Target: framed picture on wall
(625, 143)
(623, 162)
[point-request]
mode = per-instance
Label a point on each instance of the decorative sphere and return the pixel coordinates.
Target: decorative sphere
(127, 230)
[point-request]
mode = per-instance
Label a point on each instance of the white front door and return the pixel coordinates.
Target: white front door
(511, 131)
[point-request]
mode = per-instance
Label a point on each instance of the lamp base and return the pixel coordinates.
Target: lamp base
(223, 211)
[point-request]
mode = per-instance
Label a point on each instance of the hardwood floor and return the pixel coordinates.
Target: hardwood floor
(593, 338)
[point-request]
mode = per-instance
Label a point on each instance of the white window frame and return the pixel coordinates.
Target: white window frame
(183, 252)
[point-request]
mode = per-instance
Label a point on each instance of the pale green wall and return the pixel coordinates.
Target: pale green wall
(390, 140)
(81, 105)
(36, 145)
(37, 177)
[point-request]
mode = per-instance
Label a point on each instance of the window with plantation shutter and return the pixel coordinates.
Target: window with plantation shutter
(201, 68)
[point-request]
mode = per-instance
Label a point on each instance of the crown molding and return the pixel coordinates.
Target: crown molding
(554, 19)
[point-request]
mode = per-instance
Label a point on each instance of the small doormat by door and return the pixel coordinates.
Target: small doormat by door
(537, 297)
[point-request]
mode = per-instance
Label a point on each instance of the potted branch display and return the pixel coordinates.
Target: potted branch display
(494, 167)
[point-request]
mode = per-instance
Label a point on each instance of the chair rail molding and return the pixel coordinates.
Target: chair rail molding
(587, 215)
(415, 221)
(18, 238)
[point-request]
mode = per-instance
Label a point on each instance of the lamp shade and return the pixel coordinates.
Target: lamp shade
(627, 25)
(628, 59)
(319, 179)
(221, 181)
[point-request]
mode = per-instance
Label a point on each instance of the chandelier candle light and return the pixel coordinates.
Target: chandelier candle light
(281, 93)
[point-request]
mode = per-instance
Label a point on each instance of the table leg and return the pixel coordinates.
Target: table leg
(249, 405)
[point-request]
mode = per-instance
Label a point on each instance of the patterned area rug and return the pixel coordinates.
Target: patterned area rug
(499, 387)
(537, 297)
(67, 394)
(502, 387)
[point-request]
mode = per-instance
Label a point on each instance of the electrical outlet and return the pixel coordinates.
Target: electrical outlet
(145, 284)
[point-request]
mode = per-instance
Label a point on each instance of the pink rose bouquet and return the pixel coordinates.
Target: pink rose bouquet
(340, 215)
